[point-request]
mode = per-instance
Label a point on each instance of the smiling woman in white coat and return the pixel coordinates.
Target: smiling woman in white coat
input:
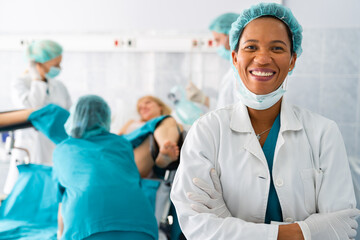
(263, 168)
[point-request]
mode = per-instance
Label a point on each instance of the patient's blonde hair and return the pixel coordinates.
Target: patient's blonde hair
(165, 109)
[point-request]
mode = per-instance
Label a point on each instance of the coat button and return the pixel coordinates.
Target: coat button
(279, 182)
(289, 220)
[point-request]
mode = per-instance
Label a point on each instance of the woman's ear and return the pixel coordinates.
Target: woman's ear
(234, 58)
(292, 61)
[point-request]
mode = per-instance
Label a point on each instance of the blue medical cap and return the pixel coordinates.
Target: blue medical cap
(222, 24)
(43, 50)
(90, 116)
(267, 9)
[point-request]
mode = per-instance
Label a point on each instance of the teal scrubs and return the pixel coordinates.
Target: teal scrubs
(30, 210)
(116, 235)
(273, 209)
(99, 183)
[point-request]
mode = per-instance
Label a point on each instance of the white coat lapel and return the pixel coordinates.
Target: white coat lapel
(240, 122)
(288, 122)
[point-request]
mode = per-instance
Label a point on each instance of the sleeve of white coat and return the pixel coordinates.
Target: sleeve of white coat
(198, 156)
(28, 93)
(336, 180)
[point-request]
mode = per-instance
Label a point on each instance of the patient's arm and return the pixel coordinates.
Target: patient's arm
(60, 223)
(15, 117)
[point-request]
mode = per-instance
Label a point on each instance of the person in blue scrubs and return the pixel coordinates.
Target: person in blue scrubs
(98, 181)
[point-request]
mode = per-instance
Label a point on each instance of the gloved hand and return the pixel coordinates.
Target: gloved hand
(194, 94)
(212, 201)
(34, 73)
(339, 225)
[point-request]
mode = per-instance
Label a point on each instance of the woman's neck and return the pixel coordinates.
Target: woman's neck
(263, 119)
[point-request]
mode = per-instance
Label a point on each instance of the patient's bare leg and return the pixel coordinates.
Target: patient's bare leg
(10, 118)
(60, 223)
(167, 136)
(143, 159)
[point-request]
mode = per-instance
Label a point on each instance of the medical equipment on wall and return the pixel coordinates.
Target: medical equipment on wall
(187, 111)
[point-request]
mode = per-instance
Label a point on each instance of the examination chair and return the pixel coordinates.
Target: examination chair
(164, 209)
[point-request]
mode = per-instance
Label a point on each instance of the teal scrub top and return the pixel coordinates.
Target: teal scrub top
(99, 183)
(273, 209)
(30, 211)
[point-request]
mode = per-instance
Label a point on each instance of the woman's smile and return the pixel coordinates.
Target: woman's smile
(262, 74)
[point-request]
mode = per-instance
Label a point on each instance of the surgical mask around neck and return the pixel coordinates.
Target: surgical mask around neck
(53, 72)
(223, 52)
(254, 101)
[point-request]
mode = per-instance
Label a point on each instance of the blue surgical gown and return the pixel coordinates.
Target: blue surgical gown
(99, 183)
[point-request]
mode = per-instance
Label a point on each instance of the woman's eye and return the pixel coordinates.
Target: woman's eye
(250, 47)
(278, 49)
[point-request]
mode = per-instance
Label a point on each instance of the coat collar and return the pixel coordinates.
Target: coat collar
(288, 118)
(240, 120)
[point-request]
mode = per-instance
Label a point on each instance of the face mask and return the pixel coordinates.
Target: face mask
(223, 52)
(252, 100)
(53, 72)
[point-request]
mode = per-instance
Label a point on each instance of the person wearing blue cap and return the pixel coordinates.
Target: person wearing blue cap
(36, 88)
(220, 28)
(263, 168)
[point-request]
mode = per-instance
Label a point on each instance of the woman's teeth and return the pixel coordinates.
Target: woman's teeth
(262, 74)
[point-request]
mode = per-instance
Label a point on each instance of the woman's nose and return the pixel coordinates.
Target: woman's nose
(263, 58)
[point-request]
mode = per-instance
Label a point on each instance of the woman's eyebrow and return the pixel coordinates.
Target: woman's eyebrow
(279, 41)
(251, 40)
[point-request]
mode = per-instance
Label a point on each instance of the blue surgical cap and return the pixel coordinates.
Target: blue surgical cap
(267, 9)
(222, 24)
(43, 51)
(90, 116)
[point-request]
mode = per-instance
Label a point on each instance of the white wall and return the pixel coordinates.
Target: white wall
(107, 16)
(104, 16)
(326, 13)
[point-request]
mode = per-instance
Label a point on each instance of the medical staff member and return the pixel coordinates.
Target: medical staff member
(220, 28)
(247, 168)
(99, 184)
(35, 88)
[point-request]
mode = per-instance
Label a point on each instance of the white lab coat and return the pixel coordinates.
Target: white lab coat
(310, 172)
(227, 92)
(27, 93)
(355, 173)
